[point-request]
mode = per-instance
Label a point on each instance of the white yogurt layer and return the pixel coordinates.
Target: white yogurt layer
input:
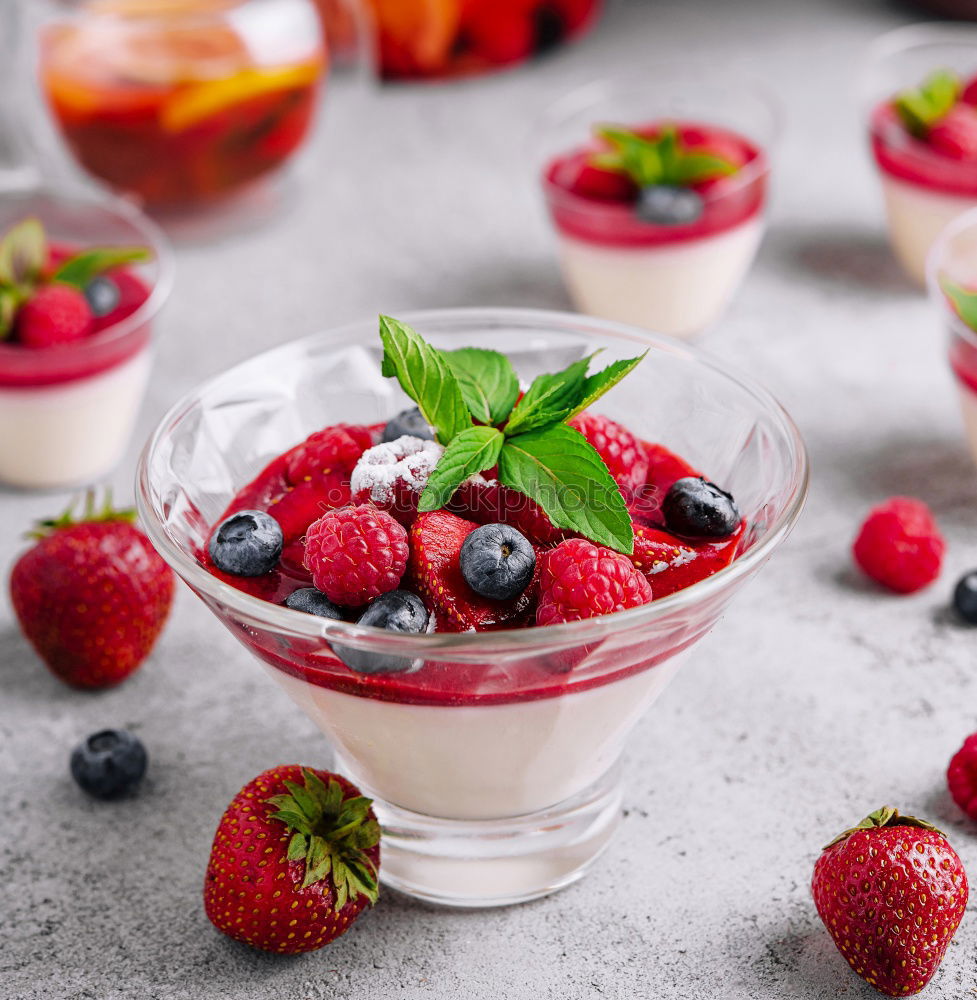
(917, 216)
(481, 761)
(73, 432)
(677, 288)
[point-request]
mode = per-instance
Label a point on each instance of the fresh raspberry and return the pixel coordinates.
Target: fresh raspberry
(597, 184)
(581, 580)
(55, 314)
(956, 134)
(899, 545)
(961, 776)
(393, 475)
(487, 501)
(621, 451)
(327, 452)
(356, 554)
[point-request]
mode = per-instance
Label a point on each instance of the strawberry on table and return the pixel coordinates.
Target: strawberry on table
(891, 892)
(91, 595)
(295, 861)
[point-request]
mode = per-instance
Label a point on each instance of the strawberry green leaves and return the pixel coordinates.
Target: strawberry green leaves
(469, 397)
(964, 301)
(923, 107)
(663, 159)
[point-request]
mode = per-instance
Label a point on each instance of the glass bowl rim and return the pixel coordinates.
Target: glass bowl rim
(153, 237)
(370, 638)
(966, 220)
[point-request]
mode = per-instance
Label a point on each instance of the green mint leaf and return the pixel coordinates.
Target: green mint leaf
(694, 168)
(602, 382)
(669, 153)
(471, 452)
(23, 253)
(923, 107)
(84, 266)
(488, 382)
(9, 304)
(963, 301)
(426, 377)
(562, 472)
(549, 399)
(638, 157)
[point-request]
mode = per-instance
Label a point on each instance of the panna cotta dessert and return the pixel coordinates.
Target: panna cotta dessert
(922, 90)
(478, 585)
(74, 342)
(658, 206)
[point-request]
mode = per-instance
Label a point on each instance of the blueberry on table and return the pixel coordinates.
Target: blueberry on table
(103, 295)
(965, 597)
(313, 602)
(699, 509)
(664, 205)
(248, 543)
(409, 422)
(396, 611)
(108, 764)
(497, 561)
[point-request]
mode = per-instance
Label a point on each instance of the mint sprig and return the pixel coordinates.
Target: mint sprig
(88, 264)
(964, 301)
(662, 160)
(469, 398)
(921, 108)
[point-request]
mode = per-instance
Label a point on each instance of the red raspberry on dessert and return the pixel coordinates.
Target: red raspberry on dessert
(581, 580)
(355, 554)
(392, 475)
(955, 135)
(900, 546)
(55, 314)
(621, 451)
(332, 450)
(961, 776)
(594, 182)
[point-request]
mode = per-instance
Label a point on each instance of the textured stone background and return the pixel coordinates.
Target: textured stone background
(816, 699)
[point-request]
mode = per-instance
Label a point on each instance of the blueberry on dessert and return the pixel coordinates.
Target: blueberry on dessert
(696, 508)
(310, 601)
(103, 295)
(497, 561)
(247, 543)
(109, 764)
(408, 423)
(396, 611)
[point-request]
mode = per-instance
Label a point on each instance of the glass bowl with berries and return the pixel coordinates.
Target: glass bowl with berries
(657, 188)
(81, 283)
(473, 549)
(919, 89)
(181, 103)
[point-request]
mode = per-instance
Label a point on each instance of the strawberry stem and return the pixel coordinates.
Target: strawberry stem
(883, 817)
(91, 513)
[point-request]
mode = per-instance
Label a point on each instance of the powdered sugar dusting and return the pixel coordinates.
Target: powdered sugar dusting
(409, 460)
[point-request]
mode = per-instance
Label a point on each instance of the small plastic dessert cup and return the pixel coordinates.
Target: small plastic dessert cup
(494, 757)
(67, 412)
(922, 189)
(673, 279)
(954, 258)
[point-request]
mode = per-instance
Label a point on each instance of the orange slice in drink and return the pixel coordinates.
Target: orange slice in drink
(424, 30)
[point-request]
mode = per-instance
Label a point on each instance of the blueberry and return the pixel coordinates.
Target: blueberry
(313, 602)
(965, 597)
(397, 611)
(109, 764)
(247, 543)
(699, 509)
(409, 422)
(102, 294)
(497, 561)
(664, 205)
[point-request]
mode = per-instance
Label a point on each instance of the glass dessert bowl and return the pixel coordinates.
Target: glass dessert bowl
(659, 232)
(67, 410)
(920, 98)
(493, 756)
(183, 102)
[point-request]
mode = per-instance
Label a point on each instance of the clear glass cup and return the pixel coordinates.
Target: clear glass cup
(67, 412)
(923, 190)
(181, 103)
(675, 279)
(494, 756)
(954, 258)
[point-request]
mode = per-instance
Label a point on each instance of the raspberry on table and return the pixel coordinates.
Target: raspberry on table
(355, 554)
(899, 545)
(623, 454)
(581, 580)
(961, 776)
(392, 475)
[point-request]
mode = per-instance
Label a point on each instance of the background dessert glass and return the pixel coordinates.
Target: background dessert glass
(183, 102)
(923, 190)
(67, 412)
(954, 257)
(495, 760)
(679, 279)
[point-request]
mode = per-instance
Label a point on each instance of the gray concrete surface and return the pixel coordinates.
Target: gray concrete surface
(815, 700)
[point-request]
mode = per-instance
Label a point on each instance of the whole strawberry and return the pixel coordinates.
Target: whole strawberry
(294, 862)
(891, 892)
(92, 595)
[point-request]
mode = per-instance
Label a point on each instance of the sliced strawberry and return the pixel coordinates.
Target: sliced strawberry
(489, 502)
(670, 564)
(434, 572)
(332, 450)
(582, 178)
(955, 135)
(297, 507)
(664, 467)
